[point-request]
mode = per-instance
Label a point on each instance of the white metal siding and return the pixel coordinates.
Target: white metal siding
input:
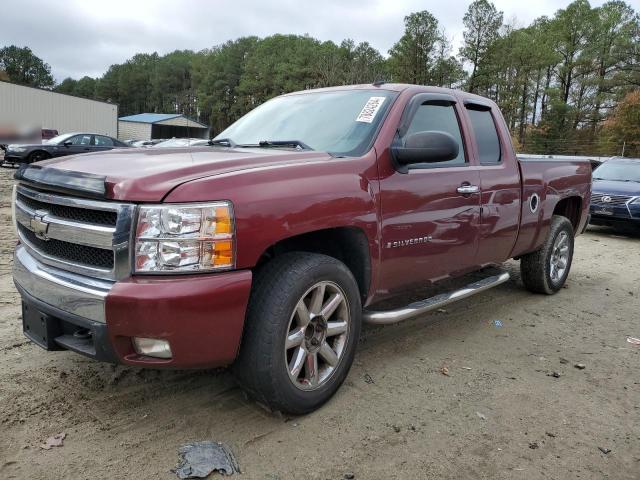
(133, 130)
(181, 122)
(31, 107)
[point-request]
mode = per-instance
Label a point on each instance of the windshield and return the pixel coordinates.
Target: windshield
(340, 122)
(58, 139)
(620, 171)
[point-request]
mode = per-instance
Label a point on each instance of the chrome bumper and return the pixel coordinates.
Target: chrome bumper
(76, 294)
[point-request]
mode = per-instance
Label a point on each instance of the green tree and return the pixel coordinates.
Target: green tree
(621, 129)
(216, 77)
(447, 71)
(616, 24)
(23, 67)
(482, 24)
(412, 57)
(67, 86)
(171, 86)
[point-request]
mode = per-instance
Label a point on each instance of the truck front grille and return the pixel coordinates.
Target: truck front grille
(72, 213)
(70, 252)
(88, 237)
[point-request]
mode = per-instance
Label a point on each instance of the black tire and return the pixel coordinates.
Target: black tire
(262, 367)
(535, 267)
(37, 156)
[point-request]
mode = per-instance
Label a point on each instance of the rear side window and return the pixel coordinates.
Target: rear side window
(484, 130)
(442, 118)
(103, 141)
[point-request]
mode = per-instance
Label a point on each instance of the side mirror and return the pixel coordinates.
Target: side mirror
(427, 147)
(68, 143)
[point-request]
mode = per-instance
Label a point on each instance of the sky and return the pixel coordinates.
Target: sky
(84, 37)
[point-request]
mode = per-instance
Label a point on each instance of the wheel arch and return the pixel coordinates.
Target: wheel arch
(46, 155)
(350, 245)
(571, 208)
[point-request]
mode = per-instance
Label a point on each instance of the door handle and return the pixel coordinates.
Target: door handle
(468, 189)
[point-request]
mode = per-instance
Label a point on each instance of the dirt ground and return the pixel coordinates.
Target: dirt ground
(499, 414)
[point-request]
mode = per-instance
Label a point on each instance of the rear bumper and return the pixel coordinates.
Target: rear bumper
(201, 316)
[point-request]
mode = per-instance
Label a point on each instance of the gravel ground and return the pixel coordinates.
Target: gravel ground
(500, 413)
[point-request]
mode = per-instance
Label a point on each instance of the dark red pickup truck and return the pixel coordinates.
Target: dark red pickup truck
(269, 248)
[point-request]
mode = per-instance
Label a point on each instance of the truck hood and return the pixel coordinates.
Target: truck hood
(614, 187)
(148, 175)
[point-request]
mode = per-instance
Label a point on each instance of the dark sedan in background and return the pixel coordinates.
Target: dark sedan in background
(66, 144)
(615, 198)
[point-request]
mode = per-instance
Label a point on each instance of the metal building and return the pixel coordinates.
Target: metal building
(36, 108)
(149, 126)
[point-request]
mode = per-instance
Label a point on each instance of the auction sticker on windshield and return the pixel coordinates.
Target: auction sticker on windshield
(370, 109)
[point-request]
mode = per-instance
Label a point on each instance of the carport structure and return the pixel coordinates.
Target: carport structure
(149, 126)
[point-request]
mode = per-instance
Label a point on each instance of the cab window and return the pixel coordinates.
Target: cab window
(443, 118)
(486, 136)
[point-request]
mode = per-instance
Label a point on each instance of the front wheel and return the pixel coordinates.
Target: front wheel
(37, 156)
(546, 270)
(301, 332)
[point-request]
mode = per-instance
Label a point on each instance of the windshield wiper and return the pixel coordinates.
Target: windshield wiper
(225, 142)
(284, 143)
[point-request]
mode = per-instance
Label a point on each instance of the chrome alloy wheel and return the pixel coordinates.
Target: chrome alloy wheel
(317, 335)
(559, 257)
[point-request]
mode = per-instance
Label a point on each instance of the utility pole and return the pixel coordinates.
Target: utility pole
(624, 144)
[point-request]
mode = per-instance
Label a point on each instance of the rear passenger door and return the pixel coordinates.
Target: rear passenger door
(102, 143)
(429, 223)
(499, 182)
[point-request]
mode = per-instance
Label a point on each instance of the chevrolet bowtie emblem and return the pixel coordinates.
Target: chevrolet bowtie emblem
(39, 226)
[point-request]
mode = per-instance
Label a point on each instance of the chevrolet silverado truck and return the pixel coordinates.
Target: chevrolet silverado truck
(267, 249)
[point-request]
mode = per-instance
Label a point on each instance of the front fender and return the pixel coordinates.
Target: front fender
(274, 203)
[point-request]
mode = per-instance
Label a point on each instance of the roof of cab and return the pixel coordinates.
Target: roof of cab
(400, 87)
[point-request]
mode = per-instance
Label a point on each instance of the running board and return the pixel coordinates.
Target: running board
(429, 304)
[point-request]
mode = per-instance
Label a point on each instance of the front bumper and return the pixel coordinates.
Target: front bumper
(628, 214)
(201, 316)
(606, 221)
(12, 157)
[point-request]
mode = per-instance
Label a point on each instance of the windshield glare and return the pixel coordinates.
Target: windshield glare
(175, 142)
(58, 139)
(620, 171)
(341, 122)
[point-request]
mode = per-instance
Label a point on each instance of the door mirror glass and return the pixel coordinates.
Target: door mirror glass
(68, 143)
(427, 147)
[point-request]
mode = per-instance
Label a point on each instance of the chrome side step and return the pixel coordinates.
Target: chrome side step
(427, 305)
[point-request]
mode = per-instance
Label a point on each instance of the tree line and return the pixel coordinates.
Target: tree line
(567, 84)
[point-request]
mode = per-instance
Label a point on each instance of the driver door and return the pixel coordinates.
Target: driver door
(429, 224)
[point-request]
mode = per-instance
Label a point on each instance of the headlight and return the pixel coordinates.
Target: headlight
(14, 148)
(185, 238)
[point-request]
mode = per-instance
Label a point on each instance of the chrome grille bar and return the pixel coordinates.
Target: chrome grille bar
(76, 221)
(65, 230)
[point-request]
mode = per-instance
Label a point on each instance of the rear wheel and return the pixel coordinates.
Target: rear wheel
(301, 332)
(37, 156)
(546, 270)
